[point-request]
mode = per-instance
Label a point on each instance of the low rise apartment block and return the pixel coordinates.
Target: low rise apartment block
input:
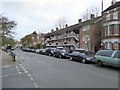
(67, 37)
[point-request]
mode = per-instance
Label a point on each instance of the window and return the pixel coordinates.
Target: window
(106, 45)
(115, 15)
(116, 45)
(85, 28)
(107, 53)
(109, 45)
(106, 30)
(117, 55)
(116, 31)
(110, 30)
(107, 17)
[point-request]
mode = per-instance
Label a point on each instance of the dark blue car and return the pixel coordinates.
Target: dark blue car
(77, 56)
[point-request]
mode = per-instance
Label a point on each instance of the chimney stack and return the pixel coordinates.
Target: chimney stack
(66, 25)
(56, 28)
(92, 16)
(80, 20)
(113, 2)
(52, 30)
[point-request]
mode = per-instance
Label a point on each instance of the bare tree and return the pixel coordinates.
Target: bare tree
(85, 15)
(91, 10)
(60, 23)
(94, 10)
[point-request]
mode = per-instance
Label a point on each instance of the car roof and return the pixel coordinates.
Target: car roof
(79, 49)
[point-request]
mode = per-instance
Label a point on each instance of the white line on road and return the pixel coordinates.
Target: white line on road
(18, 70)
(32, 79)
(26, 71)
(35, 85)
(29, 75)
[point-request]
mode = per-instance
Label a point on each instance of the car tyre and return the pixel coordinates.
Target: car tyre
(70, 58)
(60, 56)
(99, 63)
(84, 61)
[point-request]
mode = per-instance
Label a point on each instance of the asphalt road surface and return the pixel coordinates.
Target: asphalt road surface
(40, 71)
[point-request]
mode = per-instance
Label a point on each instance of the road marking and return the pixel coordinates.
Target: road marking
(29, 75)
(32, 79)
(21, 57)
(11, 75)
(26, 71)
(18, 70)
(35, 85)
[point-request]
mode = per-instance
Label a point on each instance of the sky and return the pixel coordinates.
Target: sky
(42, 15)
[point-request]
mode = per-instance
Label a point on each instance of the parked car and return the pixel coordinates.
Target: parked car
(42, 51)
(32, 50)
(60, 52)
(50, 51)
(78, 56)
(82, 51)
(108, 57)
(37, 50)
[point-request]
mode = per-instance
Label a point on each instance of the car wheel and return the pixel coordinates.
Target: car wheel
(70, 58)
(60, 56)
(99, 63)
(83, 61)
(54, 55)
(49, 54)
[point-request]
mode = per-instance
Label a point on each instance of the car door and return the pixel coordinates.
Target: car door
(106, 58)
(116, 58)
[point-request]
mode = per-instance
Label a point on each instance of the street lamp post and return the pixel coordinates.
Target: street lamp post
(102, 28)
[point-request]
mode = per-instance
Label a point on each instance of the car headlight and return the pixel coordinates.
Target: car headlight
(63, 54)
(88, 58)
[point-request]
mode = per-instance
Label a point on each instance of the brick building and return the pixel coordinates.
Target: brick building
(90, 34)
(67, 37)
(111, 24)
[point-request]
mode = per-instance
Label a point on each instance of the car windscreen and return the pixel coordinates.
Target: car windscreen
(81, 51)
(117, 55)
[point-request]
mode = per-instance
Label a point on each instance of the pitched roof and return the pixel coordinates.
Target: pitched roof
(69, 28)
(75, 27)
(117, 4)
(91, 21)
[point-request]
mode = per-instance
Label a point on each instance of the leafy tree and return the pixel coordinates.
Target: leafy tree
(7, 26)
(6, 31)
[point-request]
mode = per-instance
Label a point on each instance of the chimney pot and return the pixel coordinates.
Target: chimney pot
(66, 25)
(56, 28)
(92, 16)
(80, 20)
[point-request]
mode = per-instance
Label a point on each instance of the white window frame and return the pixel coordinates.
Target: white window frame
(115, 15)
(116, 45)
(107, 17)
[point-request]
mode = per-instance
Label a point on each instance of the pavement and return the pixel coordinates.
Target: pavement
(7, 60)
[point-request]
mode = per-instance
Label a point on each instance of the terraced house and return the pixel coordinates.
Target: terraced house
(67, 37)
(111, 24)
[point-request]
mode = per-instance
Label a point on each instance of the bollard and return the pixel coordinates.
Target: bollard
(13, 55)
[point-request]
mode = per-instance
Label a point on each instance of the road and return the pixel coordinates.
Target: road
(39, 71)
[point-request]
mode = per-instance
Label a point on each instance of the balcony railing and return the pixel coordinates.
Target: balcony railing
(76, 36)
